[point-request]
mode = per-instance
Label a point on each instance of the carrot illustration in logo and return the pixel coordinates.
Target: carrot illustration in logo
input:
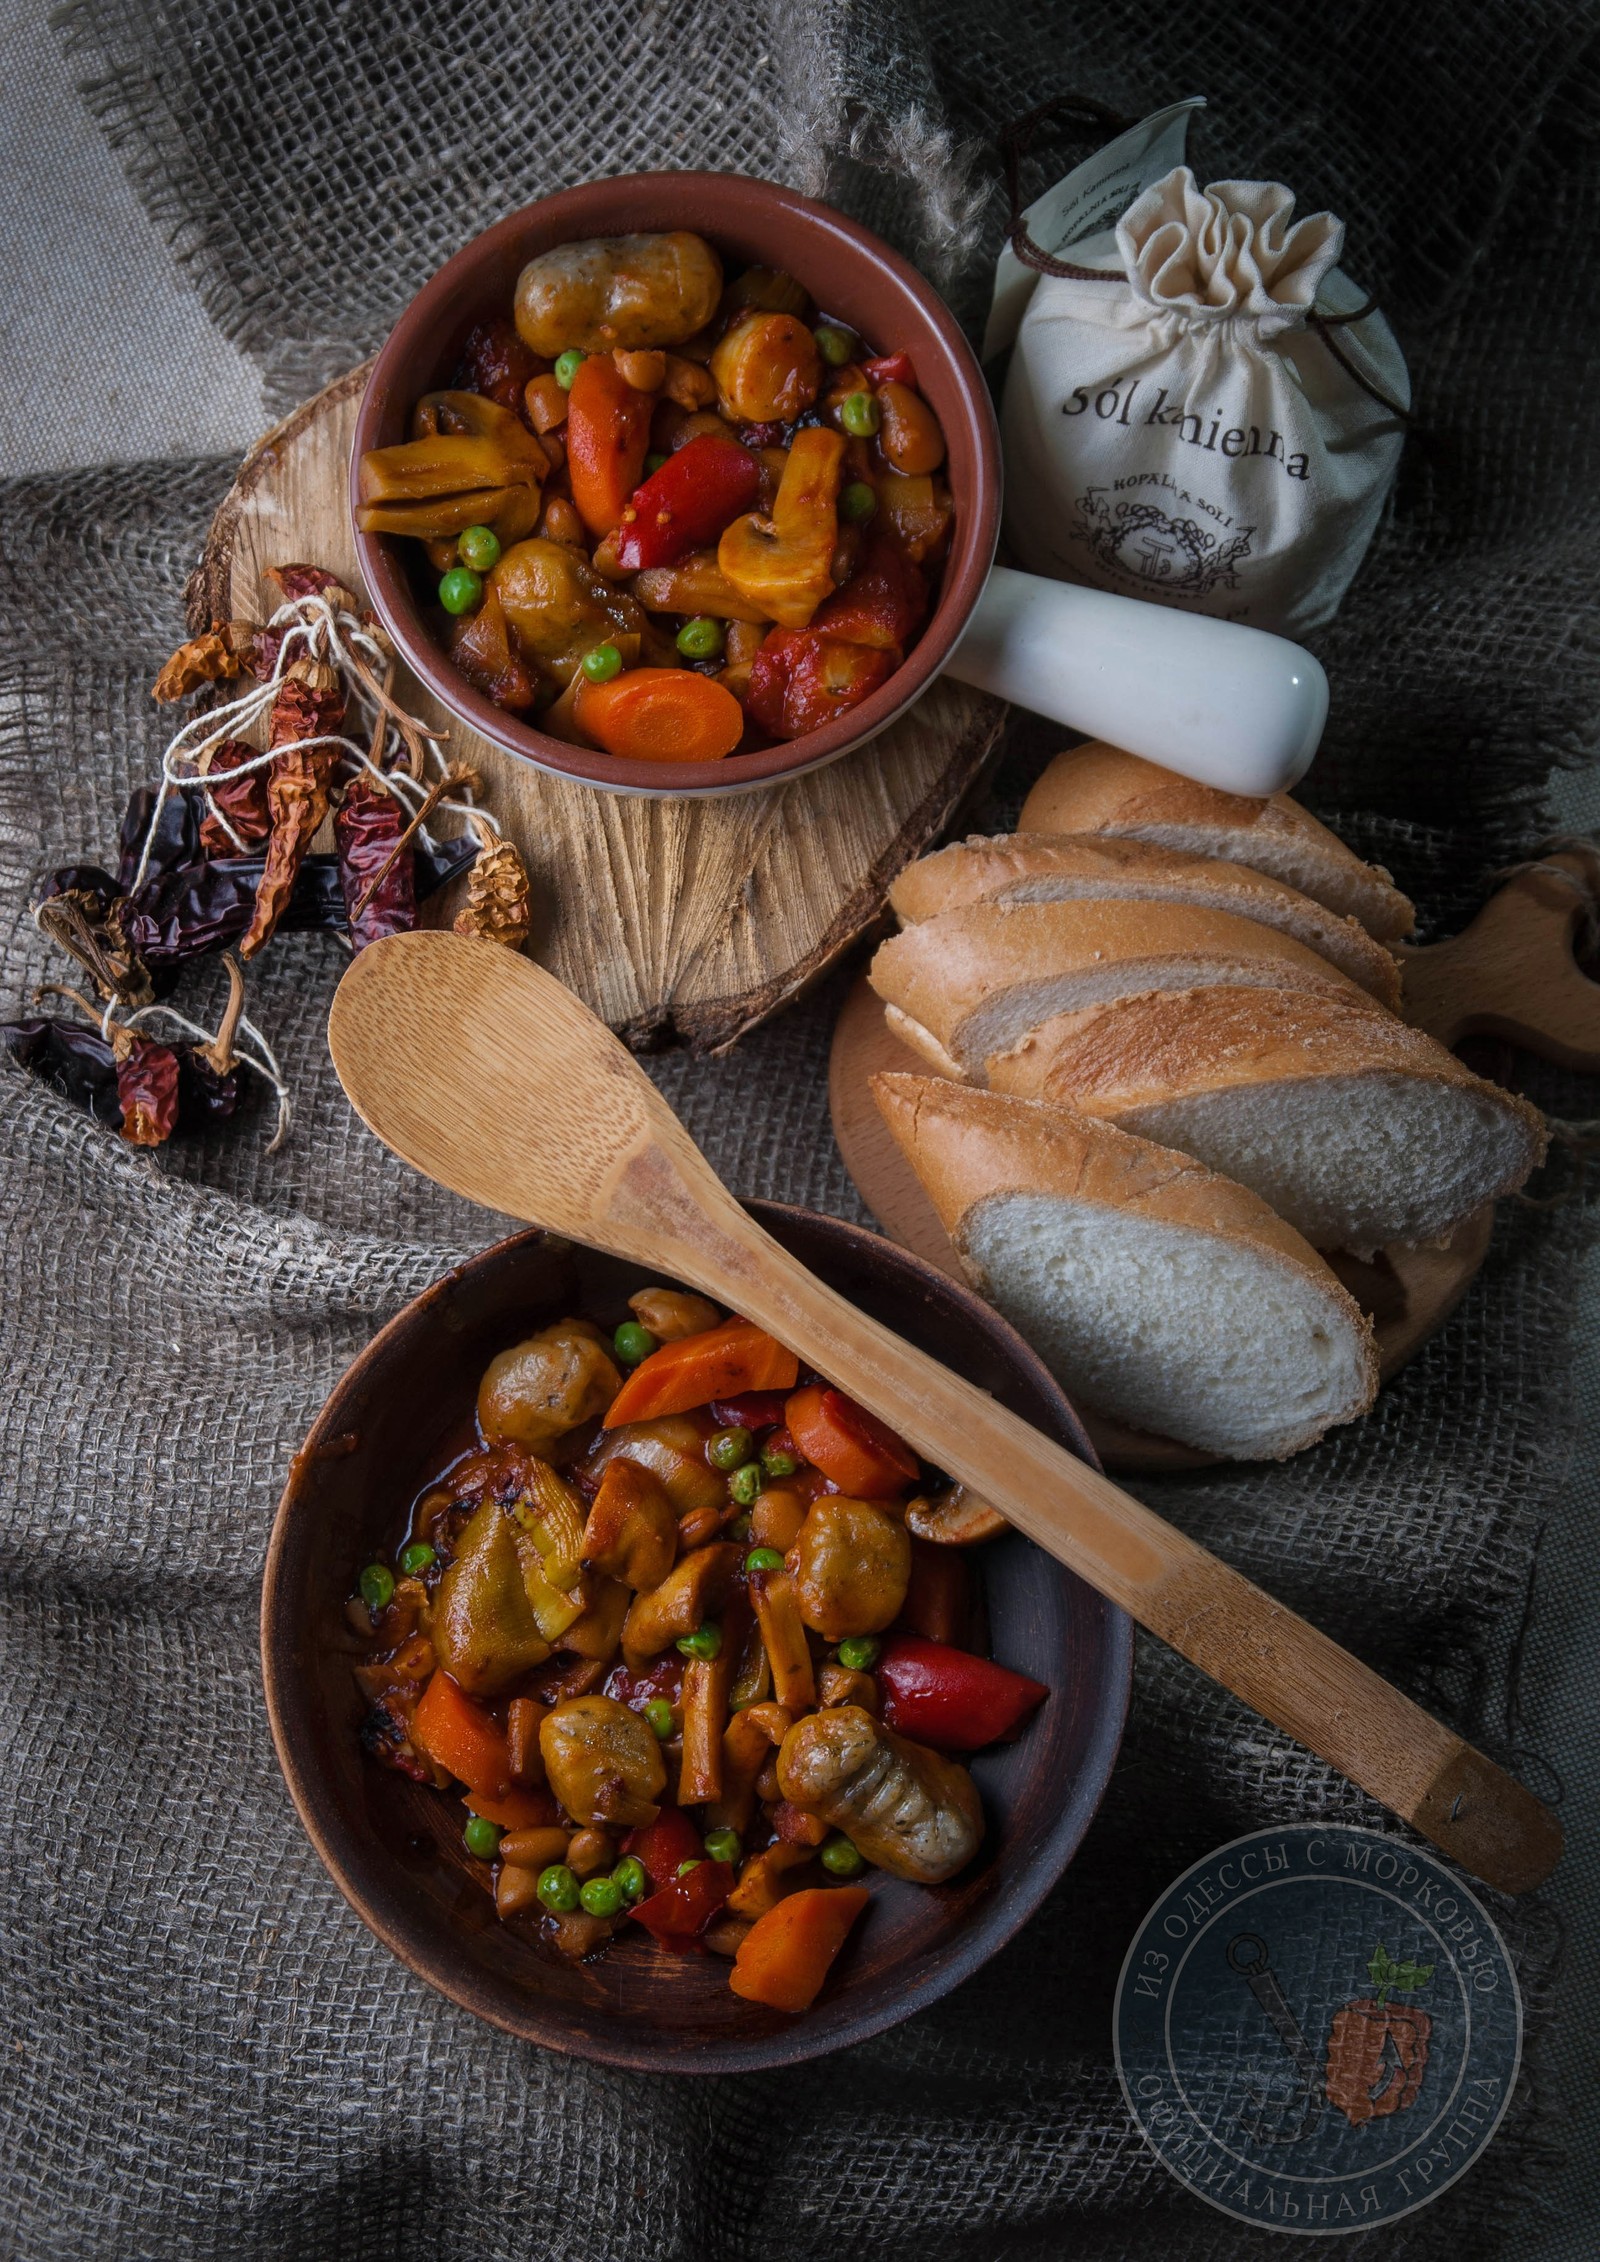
(1378, 2050)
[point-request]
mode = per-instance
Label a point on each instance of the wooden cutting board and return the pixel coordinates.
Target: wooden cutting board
(1510, 975)
(688, 918)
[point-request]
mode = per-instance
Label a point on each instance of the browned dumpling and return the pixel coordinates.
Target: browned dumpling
(851, 1565)
(629, 291)
(913, 1812)
(538, 1390)
(602, 1762)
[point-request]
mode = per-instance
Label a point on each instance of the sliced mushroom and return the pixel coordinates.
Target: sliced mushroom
(692, 1591)
(958, 1518)
(781, 563)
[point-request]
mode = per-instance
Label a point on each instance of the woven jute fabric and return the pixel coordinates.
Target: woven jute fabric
(204, 2053)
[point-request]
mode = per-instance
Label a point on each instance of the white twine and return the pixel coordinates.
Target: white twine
(265, 1067)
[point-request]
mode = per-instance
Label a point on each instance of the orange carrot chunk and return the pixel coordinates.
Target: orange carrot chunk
(718, 1363)
(787, 1954)
(660, 715)
(860, 1454)
(608, 436)
(460, 1735)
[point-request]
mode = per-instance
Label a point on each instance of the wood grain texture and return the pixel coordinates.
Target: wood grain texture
(693, 919)
(1512, 973)
(1409, 1293)
(394, 1848)
(474, 1066)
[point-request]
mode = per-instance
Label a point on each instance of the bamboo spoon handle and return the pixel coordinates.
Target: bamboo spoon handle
(1280, 1665)
(480, 1070)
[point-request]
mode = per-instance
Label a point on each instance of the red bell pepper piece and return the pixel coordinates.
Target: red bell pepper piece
(799, 680)
(862, 1455)
(680, 1912)
(665, 1844)
(662, 1677)
(756, 1410)
(891, 369)
(949, 1698)
(687, 503)
(882, 604)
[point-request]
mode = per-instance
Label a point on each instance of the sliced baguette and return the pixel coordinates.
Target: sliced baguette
(1075, 867)
(1160, 1293)
(975, 981)
(1099, 789)
(1357, 1129)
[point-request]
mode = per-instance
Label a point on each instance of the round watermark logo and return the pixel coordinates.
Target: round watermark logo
(1317, 2028)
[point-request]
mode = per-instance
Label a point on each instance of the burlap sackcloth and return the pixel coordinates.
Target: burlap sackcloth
(204, 2052)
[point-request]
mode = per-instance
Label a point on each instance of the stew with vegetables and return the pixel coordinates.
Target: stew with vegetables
(667, 1628)
(666, 515)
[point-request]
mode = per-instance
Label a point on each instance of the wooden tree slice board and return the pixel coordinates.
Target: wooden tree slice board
(1410, 1293)
(685, 918)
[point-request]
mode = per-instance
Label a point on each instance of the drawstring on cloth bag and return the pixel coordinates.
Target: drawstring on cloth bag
(1201, 408)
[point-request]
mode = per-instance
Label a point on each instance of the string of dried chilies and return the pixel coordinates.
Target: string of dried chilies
(217, 856)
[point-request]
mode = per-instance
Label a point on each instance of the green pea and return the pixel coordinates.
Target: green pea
(705, 1642)
(729, 1449)
(835, 346)
(632, 1343)
(858, 1653)
(601, 1896)
(740, 1527)
(567, 366)
(460, 589)
(778, 1463)
(558, 1888)
(763, 1559)
(632, 1876)
(415, 1558)
(377, 1586)
(602, 663)
(745, 1483)
(652, 464)
(479, 547)
(858, 502)
(482, 1836)
(684, 1867)
(701, 638)
(723, 1845)
(658, 1717)
(860, 415)
(840, 1858)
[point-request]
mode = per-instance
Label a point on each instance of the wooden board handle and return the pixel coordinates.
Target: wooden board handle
(1511, 974)
(1279, 1664)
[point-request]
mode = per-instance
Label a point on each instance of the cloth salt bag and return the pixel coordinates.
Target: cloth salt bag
(1201, 409)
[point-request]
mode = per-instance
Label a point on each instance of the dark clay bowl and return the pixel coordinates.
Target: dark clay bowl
(394, 1848)
(850, 273)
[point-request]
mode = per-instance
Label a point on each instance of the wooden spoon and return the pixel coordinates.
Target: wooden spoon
(481, 1071)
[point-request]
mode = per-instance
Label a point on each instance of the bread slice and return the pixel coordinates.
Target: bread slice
(1076, 867)
(975, 981)
(1160, 1293)
(1099, 789)
(1357, 1129)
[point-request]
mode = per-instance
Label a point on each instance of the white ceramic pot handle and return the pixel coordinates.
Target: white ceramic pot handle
(1231, 706)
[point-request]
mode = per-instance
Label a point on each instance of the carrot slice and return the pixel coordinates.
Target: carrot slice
(787, 1954)
(860, 1454)
(515, 1810)
(660, 715)
(608, 437)
(460, 1735)
(718, 1363)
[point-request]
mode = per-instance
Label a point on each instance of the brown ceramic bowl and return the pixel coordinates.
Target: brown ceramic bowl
(851, 274)
(394, 1848)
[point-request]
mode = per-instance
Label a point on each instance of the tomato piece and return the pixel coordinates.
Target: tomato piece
(687, 503)
(891, 369)
(861, 1455)
(756, 1410)
(949, 1698)
(665, 1844)
(884, 602)
(678, 1913)
(800, 680)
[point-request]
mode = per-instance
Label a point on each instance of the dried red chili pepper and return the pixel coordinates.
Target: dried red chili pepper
(309, 705)
(147, 1088)
(312, 581)
(75, 1062)
(209, 1077)
(367, 827)
(241, 801)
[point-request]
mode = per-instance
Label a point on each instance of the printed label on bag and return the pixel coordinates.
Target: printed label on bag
(1318, 2029)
